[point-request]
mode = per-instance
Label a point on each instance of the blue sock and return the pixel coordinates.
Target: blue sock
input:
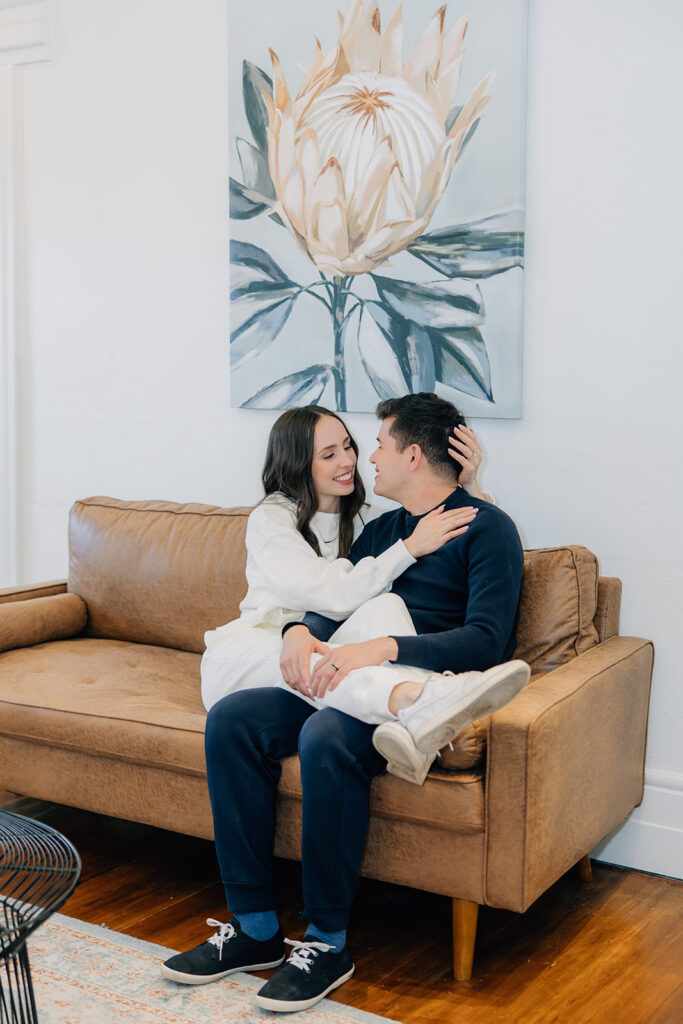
(260, 925)
(335, 939)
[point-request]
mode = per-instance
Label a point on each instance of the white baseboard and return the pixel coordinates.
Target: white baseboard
(651, 838)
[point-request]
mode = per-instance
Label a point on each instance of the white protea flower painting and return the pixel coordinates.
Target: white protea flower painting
(348, 163)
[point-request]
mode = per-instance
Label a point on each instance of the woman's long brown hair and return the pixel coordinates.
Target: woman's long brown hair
(287, 470)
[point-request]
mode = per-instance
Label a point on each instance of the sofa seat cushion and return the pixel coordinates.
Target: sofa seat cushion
(142, 704)
(131, 702)
(448, 800)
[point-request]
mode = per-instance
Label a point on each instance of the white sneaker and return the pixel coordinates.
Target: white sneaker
(394, 742)
(446, 705)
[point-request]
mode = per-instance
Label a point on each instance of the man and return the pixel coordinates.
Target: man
(463, 603)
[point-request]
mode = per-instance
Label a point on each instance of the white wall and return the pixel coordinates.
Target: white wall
(123, 366)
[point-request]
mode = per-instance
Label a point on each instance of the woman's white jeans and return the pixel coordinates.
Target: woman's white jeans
(250, 657)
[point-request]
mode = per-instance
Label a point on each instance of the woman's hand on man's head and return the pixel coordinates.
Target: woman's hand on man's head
(464, 448)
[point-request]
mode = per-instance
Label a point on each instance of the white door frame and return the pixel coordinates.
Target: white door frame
(25, 38)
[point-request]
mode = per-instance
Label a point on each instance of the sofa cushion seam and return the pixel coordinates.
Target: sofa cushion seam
(102, 718)
(79, 749)
(227, 513)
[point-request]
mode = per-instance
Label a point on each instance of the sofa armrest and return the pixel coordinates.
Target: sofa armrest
(565, 766)
(31, 590)
(40, 619)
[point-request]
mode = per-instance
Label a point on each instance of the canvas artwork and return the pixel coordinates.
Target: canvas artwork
(376, 203)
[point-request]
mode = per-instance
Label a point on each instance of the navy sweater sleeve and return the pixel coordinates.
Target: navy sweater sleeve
(491, 556)
(319, 626)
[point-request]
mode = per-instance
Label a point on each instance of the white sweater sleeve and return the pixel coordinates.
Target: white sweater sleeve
(284, 562)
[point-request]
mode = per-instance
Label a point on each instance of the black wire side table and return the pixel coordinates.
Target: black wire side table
(39, 869)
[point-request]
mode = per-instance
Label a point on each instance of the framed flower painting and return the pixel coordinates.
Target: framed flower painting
(376, 203)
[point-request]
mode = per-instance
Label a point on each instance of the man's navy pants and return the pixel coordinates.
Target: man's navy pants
(246, 734)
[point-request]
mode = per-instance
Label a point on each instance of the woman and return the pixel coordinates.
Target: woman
(297, 541)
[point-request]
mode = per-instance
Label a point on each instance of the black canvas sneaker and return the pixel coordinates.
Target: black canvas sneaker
(226, 952)
(309, 974)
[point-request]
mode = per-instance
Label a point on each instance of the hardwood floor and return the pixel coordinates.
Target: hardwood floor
(606, 952)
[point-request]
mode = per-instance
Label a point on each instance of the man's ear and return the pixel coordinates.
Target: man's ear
(415, 460)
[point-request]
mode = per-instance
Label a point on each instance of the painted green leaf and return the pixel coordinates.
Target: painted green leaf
(479, 249)
(260, 318)
(462, 362)
(396, 353)
(445, 305)
(254, 83)
(262, 298)
(305, 387)
(255, 170)
(255, 261)
(244, 203)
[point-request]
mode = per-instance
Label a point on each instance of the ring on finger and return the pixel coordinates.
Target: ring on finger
(334, 667)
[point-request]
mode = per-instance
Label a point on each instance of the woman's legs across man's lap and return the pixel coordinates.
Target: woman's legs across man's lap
(250, 657)
(365, 692)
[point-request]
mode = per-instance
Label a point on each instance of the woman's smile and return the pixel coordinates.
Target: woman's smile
(333, 468)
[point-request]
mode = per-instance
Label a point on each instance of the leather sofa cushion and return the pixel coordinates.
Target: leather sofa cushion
(141, 704)
(40, 619)
(155, 572)
(128, 701)
(453, 801)
(466, 750)
(557, 607)
(161, 573)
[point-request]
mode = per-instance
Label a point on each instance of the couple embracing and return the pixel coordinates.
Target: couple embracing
(367, 642)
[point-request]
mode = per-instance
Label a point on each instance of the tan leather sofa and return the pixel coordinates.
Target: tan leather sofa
(100, 709)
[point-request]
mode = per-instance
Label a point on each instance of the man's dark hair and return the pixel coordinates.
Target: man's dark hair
(427, 420)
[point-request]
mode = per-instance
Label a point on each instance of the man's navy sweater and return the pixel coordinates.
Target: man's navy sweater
(462, 598)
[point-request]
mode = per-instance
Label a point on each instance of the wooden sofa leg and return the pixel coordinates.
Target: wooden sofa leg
(585, 869)
(465, 916)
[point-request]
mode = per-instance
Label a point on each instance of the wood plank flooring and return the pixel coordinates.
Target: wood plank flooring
(606, 952)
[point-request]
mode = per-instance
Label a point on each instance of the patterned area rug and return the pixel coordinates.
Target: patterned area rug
(83, 974)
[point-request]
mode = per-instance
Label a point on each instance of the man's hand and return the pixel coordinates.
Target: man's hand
(295, 658)
(337, 663)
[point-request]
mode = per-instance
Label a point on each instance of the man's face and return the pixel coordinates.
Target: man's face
(391, 466)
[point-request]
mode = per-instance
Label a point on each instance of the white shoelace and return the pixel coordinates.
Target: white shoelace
(304, 953)
(224, 934)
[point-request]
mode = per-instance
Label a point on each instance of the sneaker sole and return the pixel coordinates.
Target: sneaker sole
(404, 760)
(496, 689)
(204, 979)
(289, 1006)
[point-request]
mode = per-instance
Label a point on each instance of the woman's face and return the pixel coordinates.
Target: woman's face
(334, 463)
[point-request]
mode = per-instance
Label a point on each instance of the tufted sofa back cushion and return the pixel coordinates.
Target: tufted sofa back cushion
(155, 572)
